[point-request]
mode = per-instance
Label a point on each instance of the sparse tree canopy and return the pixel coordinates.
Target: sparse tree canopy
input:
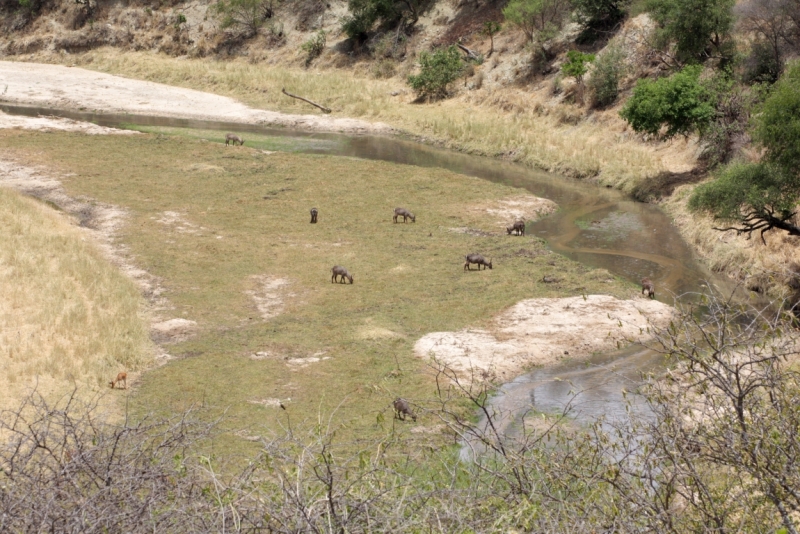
(437, 70)
(246, 16)
(762, 196)
(775, 24)
(538, 19)
(696, 27)
(679, 103)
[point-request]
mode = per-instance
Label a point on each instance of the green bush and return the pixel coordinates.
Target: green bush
(598, 15)
(778, 125)
(314, 46)
(762, 196)
(577, 64)
(608, 71)
(680, 103)
(694, 26)
(364, 14)
(761, 65)
(437, 70)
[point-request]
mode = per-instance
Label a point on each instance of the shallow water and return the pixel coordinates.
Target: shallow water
(596, 226)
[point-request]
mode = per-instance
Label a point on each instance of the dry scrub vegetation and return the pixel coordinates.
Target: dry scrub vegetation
(68, 316)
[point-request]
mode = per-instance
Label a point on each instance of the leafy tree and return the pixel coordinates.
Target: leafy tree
(538, 19)
(600, 14)
(607, 73)
(246, 16)
(490, 28)
(680, 103)
(695, 26)
(762, 196)
(577, 65)
(438, 69)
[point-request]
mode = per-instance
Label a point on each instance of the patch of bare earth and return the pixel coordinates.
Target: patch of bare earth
(544, 331)
(270, 294)
(59, 87)
(48, 123)
(502, 213)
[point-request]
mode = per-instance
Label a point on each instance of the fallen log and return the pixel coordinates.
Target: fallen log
(323, 108)
(470, 53)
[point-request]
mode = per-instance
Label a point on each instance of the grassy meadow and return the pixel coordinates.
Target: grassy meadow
(67, 316)
(226, 232)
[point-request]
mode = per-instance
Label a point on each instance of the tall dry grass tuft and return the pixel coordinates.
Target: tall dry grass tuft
(506, 122)
(766, 268)
(66, 315)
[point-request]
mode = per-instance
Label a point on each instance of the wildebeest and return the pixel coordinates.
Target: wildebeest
(648, 288)
(402, 408)
(233, 138)
(404, 213)
(477, 259)
(314, 213)
(338, 271)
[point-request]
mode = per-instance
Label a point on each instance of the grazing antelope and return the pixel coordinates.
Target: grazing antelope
(402, 408)
(518, 226)
(648, 288)
(477, 259)
(338, 271)
(314, 215)
(404, 213)
(121, 377)
(233, 138)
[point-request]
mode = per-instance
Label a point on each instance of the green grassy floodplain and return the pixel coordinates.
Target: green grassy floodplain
(244, 214)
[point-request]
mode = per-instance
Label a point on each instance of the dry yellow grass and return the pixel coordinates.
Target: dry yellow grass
(67, 316)
(766, 268)
(507, 122)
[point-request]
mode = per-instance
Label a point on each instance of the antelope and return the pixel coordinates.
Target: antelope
(518, 226)
(401, 409)
(648, 288)
(404, 213)
(314, 215)
(233, 138)
(121, 377)
(338, 271)
(477, 259)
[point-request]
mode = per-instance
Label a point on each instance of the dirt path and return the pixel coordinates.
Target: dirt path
(73, 88)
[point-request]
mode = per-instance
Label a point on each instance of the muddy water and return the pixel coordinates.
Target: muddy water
(595, 226)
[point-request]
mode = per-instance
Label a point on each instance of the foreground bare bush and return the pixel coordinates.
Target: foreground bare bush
(65, 470)
(715, 450)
